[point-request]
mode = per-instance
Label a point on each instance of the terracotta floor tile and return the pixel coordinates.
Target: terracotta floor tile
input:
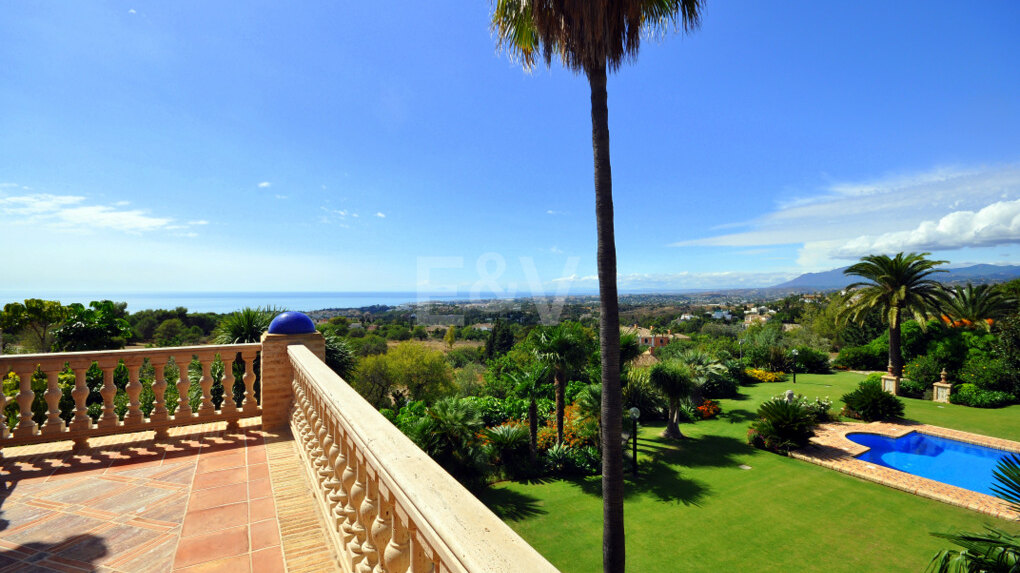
(234, 459)
(220, 478)
(268, 560)
(262, 508)
(212, 546)
(217, 496)
(260, 488)
(156, 558)
(182, 475)
(84, 490)
(214, 519)
(258, 471)
(238, 564)
(56, 530)
(265, 534)
(257, 455)
(135, 499)
(172, 508)
(109, 545)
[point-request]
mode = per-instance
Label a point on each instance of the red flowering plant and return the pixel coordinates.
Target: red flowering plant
(708, 409)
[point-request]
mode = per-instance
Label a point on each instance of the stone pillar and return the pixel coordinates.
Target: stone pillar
(890, 383)
(940, 390)
(277, 375)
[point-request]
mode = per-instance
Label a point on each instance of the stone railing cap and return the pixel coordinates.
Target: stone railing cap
(291, 323)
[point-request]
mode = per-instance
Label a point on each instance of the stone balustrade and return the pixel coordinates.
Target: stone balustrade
(389, 507)
(193, 378)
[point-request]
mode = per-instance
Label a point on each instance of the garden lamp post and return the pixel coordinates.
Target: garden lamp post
(740, 348)
(794, 353)
(634, 415)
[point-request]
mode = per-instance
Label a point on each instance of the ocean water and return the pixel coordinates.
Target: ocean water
(225, 302)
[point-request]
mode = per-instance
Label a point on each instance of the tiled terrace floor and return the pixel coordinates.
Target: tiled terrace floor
(204, 500)
(831, 448)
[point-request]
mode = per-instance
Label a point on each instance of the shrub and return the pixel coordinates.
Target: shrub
(911, 388)
(990, 374)
(639, 392)
(817, 408)
(870, 403)
(975, 397)
(719, 386)
(781, 426)
(812, 361)
(759, 375)
(861, 358)
(924, 370)
(508, 448)
(459, 357)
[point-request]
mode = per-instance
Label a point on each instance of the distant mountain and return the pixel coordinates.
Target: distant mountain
(835, 279)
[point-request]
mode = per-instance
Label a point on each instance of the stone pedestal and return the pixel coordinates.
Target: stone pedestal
(940, 392)
(891, 384)
(278, 375)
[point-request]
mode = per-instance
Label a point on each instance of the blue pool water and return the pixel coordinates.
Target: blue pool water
(949, 461)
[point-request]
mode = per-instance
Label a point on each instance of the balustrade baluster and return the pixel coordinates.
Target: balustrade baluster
(250, 405)
(183, 389)
(397, 556)
(26, 425)
(81, 421)
(421, 561)
(229, 408)
(109, 392)
(159, 414)
(326, 466)
(338, 497)
(356, 498)
(367, 516)
(206, 409)
(3, 409)
(381, 528)
(347, 479)
(134, 392)
(53, 425)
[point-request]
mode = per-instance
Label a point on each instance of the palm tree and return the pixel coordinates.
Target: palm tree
(245, 326)
(677, 380)
(565, 348)
(529, 384)
(593, 37)
(894, 286)
(976, 305)
(992, 549)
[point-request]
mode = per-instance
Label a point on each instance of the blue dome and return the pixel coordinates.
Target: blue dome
(291, 323)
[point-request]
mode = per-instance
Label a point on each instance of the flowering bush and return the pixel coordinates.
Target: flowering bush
(708, 409)
(577, 430)
(760, 375)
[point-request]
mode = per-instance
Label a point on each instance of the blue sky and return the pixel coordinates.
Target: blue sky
(344, 146)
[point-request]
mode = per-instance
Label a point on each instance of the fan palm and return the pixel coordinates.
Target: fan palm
(528, 383)
(594, 37)
(565, 348)
(976, 305)
(894, 286)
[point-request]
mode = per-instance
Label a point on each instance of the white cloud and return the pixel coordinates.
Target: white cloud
(199, 222)
(280, 196)
(132, 11)
(995, 224)
(381, 215)
(265, 184)
(841, 210)
(70, 213)
(551, 212)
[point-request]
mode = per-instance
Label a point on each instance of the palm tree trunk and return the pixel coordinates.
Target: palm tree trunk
(895, 352)
(561, 403)
(613, 547)
(672, 422)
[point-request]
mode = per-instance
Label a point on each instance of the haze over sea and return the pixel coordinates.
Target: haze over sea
(226, 302)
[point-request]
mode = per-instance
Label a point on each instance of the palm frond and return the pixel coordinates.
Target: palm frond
(1007, 477)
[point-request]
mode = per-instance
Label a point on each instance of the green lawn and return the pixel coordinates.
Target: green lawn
(694, 509)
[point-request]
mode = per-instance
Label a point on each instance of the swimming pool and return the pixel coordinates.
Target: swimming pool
(948, 461)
